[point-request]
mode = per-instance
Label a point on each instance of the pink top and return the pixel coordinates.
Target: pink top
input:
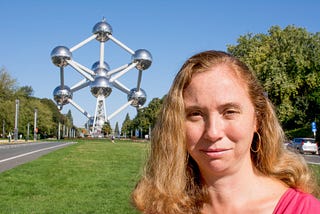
(294, 201)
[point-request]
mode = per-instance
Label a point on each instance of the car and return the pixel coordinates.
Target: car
(304, 145)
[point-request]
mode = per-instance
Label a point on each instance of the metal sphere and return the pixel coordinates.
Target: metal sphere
(61, 95)
(139, 97)
(60, 55)
(96, 65)
(102, 29)
(101, 72)
(143, 57)
(101, 86)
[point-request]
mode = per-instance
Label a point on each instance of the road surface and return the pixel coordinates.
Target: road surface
(12, 155)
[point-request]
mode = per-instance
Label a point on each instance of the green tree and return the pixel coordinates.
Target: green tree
(116, 130)
(287, 61)
(153, 109)
(7, 85)
(48, 115)
(106, 129)
(126, 126)
(24, 91)
(69, 118)
(146, 117)
(141, 121)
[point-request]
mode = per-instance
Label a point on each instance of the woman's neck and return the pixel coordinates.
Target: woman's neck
(243, 192)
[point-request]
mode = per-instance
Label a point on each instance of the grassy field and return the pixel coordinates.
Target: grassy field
(87, 177)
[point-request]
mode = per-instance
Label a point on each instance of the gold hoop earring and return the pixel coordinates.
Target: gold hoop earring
(257, 144)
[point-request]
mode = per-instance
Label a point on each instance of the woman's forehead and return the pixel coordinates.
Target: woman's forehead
(220, 80)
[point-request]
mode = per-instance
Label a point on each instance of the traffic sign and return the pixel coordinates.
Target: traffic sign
(313, 126)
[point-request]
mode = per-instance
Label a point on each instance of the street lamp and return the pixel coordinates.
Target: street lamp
(35, 125)
(16, 121)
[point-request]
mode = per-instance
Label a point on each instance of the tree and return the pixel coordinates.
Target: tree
(106, 129)
(287, 62)
(146, 117)
(7, 85)
(141, 121)
(126, 126)
(69, 118)
(153, 110)
(24, 91)
(48, 115)
(116, 130)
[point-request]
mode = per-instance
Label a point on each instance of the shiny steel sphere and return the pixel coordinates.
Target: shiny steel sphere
(96, 65)
(102, 29)
(59, 55)
(143, 57)
(61, 96)
(139, 97)
(101, 86)
(101, 72)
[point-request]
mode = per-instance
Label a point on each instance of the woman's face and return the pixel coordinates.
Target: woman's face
(220, 122)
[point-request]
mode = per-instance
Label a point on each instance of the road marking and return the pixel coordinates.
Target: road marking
(313, 163)
(29, 153)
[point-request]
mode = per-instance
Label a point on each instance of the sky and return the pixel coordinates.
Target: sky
(171, 30)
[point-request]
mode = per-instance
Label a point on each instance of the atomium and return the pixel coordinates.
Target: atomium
(101, 79)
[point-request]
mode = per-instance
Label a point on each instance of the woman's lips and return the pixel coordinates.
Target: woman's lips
(215, 153)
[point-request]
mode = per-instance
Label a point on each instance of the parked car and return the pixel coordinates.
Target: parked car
(304, 145)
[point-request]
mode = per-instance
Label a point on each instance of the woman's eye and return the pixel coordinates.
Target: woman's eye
(231, 113)
(194, 115)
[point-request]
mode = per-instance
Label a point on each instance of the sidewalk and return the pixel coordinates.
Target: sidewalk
(6, 141)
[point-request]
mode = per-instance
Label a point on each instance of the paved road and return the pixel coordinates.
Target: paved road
(12, 155)
(314, 159)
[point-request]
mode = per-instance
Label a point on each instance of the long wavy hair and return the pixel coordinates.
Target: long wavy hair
(171, 181)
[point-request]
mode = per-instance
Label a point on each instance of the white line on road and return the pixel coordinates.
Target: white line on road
(313, 163)
(29, 153)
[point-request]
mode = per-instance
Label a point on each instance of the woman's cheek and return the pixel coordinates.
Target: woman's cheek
(193, 134)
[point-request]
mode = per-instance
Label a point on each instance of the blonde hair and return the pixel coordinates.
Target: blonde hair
(171, 181)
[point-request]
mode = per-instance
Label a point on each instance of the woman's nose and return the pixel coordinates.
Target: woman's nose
(214, 128)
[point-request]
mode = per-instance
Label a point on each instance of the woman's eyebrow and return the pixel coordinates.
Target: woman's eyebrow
(230, 105)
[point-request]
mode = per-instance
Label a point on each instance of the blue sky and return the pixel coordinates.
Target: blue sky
(171, 31)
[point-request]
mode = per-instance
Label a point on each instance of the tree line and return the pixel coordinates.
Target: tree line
(287, 62)
(48, 115)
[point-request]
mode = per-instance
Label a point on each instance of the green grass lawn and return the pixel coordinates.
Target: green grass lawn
(316, 170)
(87, 177)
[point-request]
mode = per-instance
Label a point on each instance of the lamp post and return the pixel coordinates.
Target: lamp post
(3, 129)
(16, 121)
(35, 125)
(59, 127)
(28, 131)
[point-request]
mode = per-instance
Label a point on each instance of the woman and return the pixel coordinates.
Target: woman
(218, 147)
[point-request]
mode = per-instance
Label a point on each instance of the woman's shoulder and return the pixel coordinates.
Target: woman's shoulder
(295, 201)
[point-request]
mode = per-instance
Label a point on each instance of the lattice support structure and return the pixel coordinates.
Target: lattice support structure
(99, 116)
